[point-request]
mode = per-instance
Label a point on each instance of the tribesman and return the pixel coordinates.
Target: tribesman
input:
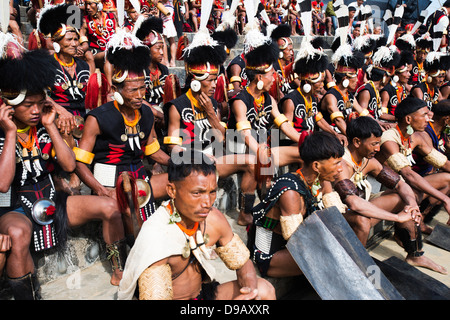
(72, 76)
(379, 73)
(189, 226)
(301, 105)
(282, 36)
(397, 145)
(397, 203)
(423, 47)
(96, 30)
(398, 88)
(293, 197)
(436, 66)
(193, 118)
(118, 134)
(254, 110)
(339, 103)
(33, 212)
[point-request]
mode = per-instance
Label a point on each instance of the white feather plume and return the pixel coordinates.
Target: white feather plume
(344, 51)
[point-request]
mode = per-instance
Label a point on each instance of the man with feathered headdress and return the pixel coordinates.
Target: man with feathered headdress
(436, 66)
(282, 35)
(424, 45)
(339, 103)
(301, 105)
(379, 74)
(31, 146)
(150, 33)
(398, 88)
(254, 110)
(118, 134)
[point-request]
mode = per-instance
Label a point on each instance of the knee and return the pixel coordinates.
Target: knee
(20, 235)
(266, 290)
(361, 223)
(111, 211)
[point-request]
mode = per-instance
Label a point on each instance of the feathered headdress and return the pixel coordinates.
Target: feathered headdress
(384, 59)
(204, 55)
(436, 62)
(365, 44)
(346, 60)
(128, 55)
(406, 42)
(53, 21)
(149, 31)
(310, 61)
(31, 72)
(259, 50)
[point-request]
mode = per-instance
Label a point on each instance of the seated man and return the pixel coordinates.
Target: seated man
(397, 204)
(396, 149)
(189, 226)
(33, 213)
(292, 197)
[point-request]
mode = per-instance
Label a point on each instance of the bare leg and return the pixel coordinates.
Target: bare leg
(234, 163)
(283, 265)
(19, 228)
(82, 209)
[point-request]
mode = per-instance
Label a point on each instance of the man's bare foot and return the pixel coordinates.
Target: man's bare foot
(116, 277)
(244, 219)
(425, 262)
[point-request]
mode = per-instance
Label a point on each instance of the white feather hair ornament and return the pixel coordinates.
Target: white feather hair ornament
(382, 55)
(343, 52)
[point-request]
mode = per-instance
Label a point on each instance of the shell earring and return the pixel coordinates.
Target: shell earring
(118, 97)
(260, 85)
(56, 47)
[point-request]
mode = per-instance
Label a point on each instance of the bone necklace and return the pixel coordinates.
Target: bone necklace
(132, 130)
(30, 145)
(196, 244)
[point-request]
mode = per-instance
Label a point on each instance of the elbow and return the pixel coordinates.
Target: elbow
(4, 188)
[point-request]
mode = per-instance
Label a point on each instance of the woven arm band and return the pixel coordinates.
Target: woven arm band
(388, 178)
(155, 283)
(234, 254)
(436, 159)
(398, 161)
(331, 199)
(345, 188)
(289, 224)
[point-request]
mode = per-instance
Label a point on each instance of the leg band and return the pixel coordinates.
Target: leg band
(25, 287)
(246, 202)
(411, 246)
(117, 254)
